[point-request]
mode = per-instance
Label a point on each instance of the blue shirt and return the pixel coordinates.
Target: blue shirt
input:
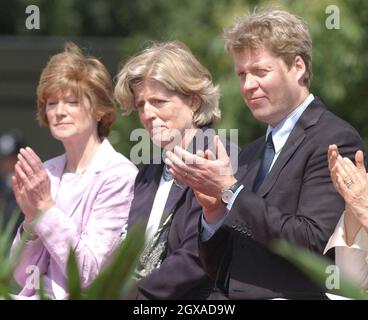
(280, 134)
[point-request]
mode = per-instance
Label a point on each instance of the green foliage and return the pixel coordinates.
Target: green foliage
(316, 267)
(339, 55)
(8, 263)
(74, 281)
(114, 282)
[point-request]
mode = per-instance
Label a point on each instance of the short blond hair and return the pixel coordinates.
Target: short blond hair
(84, 76)
(283, 33)
(173, 65)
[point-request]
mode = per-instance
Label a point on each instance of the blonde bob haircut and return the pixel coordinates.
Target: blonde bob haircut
(85, 77)
(173, 65)
(283, 33)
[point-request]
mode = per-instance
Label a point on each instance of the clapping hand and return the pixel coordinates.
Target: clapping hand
(207, 173)
(31, 184)
(351, 182)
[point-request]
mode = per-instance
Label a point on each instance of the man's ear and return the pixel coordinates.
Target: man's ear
(195, 102)
(300, 68)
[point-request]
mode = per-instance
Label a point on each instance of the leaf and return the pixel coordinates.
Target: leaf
(115, 280)
(8, 262)
(74, 283)
(316, 267)
(41, 291)
(4, 293)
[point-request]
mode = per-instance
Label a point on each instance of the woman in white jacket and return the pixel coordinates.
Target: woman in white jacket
(350, 237)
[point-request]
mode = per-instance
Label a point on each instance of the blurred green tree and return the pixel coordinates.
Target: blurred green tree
(339, 55)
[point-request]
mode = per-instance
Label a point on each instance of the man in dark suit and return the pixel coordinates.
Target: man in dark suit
(282, 189)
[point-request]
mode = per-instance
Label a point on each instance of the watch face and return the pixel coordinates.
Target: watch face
(226, 196)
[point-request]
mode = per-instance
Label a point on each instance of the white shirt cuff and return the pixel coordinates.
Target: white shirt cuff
(231, 202)
(208, 230)
(338, 238)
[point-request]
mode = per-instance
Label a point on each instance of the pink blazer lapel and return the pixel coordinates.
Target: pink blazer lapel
(55, 168)
(76, 195)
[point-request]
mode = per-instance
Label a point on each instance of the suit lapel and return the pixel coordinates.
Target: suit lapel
(247, 173)
(100, 160)
(79, 190)
(309, 118)
(145, 195)
(55, 168)
(295, 139)
(175, 194)
(55, 173)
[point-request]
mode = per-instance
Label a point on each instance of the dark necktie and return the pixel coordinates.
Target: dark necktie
(268, 155)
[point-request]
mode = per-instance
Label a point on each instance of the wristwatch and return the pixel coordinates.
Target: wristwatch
(228, 193)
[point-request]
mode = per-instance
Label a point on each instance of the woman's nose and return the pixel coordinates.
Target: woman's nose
(149, 111)
(60, 108)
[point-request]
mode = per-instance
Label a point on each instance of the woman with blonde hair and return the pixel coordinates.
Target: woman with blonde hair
(176, 101)
(80, 200)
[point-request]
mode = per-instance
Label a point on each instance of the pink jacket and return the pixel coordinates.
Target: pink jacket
(97, 213)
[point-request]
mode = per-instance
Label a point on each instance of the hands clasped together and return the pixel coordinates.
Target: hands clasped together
(31, 185)
(207, 173)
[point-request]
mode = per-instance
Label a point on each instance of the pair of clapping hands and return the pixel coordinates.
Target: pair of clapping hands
(351, 181)
(31, 185)
(207, 172)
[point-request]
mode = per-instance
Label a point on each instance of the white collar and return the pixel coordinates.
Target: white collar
(281, 132)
